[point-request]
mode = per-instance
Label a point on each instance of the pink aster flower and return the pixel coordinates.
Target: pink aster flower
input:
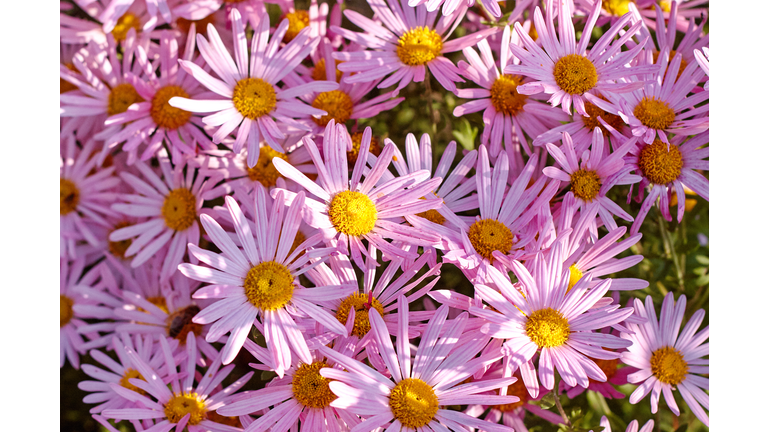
(669, 359)
(666, 166)
(71, 277)
(631, 427)
(702, 58)
(262, 280)
(85, 191)
(507, 115)
(409, 42)
(184, 404)
(550, 319)
(253, 100)
(350, 210)
(410, 399)
(450, 6)
(152, 121)
(565, 69)
(77, 30)
(116, 9)
(172, 204)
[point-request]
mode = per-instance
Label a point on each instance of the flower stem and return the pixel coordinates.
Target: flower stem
(432, 113)
(669, 248)
(556, 391)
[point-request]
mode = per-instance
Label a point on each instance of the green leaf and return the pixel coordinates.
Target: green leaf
(465, 134)
(548, 401)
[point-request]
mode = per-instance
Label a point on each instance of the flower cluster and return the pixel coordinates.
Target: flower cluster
(235, 198)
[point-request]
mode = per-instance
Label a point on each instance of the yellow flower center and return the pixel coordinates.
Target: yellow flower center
(269, 285)
(118, 248)
(594, 112)
(225, 420)
(254, 97)
(432, 215)
(488, 235)
(336, 103)
(659, 164)
(124, 23)
(69, 196)
(575, 74)
(547, 328)
(413, 402)
(163, 114)
(121, 97)
(654, 113)
(131, 373)
(683, 63)
(65, 86)
(585, 184)
(360, 302)
(666, 5)
(607, 366)
(575, 276)
(65, 310)
(352, 213)
(318, 72)
(357, 138)
(518, 389)
(668, 365)
(297, 20)
(200, 25)
(310, 388)
(180, 323)
(182, 404)
(179, 209)
(616, 7)
(504, 95)
(264, 171)
(419, 46)
(158, 301)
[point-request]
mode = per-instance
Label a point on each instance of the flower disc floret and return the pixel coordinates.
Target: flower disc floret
(488, 235)
(585, 184)
(128, 374)
(69, 196)
(352, 213)
(504, 95)
(616, 7)
(118, 248)
(660, 163)
(121, 97)
(180, 323)
(413, 402)
(518, 389)
(310, 388)
(163, 114)
(65, 310)
(269, 285)
(360, 302)
(608, 367)
(264, 171)
(575, 74)
(254, 97)
(654, 113)
(547, 328)
(594, 112)
(179, 209)
(357, 137)
(574, 276)
(668, 365)
(297, 21)
(318, 72)
(181, 404)
(419, 46)
(336, 103)
(124, 24)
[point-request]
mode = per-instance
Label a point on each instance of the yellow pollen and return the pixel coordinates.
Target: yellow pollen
(200, 25)
(547, 328)
(336, 103)
(65, 86)
(180, 323)
(352, 213)
(594, 112)
(683, 63)
(163, 114)
(585, 184)
(297, 20)
(254, 97)
(184, 403)
(118, 248)
(225, 420)
(179, 209)
(264, 171)
(121, 97)
(360, 302)
(318, 73)
(668, 365)
(504, 95)
(607, 366)
(659, 164)
(158, 301)
(419, 46)
(65, 310)
(310, 388)
(575, 276)
(488, 235)
(616, 7)
(269, 285)
(518, 389)
(374, 148)
(432, 215)
(124, 23)
(413, 402)
(297, 241)
(132, 373)
(69, 196)
(666, 5)
(533, 33)
(654, 113)
(575, 74)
